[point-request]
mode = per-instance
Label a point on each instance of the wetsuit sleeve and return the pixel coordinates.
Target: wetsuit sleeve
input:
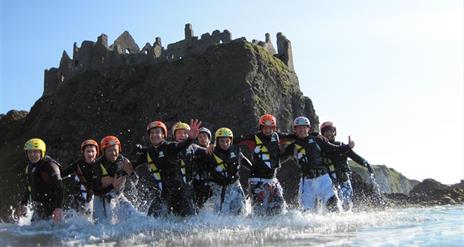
(329, 147)
(69, 170)
(200, 152)
(285, 138)
(57, 184)
(356, 158)
(180, 146)
(287, 153)
(140, 159)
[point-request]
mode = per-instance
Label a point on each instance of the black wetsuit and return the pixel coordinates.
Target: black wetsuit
(336, 161)
(308, 152)
(165, 168)
(44, 187)
(195, 160)
(82, 189)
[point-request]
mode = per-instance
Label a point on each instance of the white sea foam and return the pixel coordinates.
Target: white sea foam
(413, 226)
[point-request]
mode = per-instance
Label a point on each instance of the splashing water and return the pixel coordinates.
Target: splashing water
(413, 226)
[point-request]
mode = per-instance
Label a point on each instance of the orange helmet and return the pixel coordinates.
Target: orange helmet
(157, 124)
(90, 142)
(268, 120)
(109, 141)
(325, 125)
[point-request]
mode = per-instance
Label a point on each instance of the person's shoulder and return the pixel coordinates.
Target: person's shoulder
(50, 161)
(100, 160)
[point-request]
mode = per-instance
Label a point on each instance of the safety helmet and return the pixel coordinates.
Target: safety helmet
(36, 144)
(205, 130)
(327, 124)
(268, 120)
(224, 132)
(90, 142)
(180, 126)
(157, 124)
(301, 121)
(109, 141)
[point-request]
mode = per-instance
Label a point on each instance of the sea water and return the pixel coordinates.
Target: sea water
(428, 226)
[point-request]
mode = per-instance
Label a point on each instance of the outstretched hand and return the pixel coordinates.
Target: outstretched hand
(195, 125)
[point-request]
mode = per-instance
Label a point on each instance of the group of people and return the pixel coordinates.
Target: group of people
(194, 168)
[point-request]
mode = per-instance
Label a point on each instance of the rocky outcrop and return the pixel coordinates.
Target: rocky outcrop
(430, 192)
(389, 180)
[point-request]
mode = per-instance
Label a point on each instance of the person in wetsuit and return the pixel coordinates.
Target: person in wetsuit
(44, 187)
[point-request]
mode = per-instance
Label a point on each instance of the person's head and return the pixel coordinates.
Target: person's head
(156, 132)
(301, 126)
(90, 150)
(35, 149)
(224, 138)
(204, 137)
(111, 147)
(180, 131)
(267, 124)
(328, 130)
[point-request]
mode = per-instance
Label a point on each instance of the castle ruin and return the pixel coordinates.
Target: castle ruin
(124, 51)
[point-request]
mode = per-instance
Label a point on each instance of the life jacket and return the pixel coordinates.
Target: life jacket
(227, 167)
(268, 153)
(162, 167)
(308, 154)
(328, 162)
(154, 171)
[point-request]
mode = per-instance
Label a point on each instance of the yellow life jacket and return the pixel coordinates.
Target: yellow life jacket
(153, 168)
(263, 152)
(221, 165)
(300, 152)
(104, 172)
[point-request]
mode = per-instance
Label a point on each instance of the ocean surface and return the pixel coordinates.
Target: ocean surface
(431, 226)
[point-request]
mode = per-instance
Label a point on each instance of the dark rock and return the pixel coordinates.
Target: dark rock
(389, 180)
(427, 187)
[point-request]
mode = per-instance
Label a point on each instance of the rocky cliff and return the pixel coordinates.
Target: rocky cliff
(228, 85)
(389, 180)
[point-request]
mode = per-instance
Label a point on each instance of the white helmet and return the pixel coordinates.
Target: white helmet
(301, 121)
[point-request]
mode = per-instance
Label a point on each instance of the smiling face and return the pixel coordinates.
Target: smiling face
(203, 139)
(156, 136)
(224, 142)
(181, 135)
(301, 131)
(267, 130)
(90, 154)
(330, 134)
(112, 153)
(34, 155)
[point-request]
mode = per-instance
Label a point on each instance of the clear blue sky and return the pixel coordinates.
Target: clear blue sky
(388, 73)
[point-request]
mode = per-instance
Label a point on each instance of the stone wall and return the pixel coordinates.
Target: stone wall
(99, 56)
